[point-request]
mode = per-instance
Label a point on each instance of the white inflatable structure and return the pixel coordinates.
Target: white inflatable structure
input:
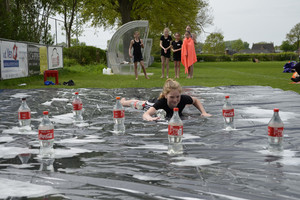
(117, 53)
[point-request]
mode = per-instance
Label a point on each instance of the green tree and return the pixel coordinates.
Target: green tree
(238, 45)
(294, 36)
(168, 13)
(214, 44)
(246, 45)
(287, 46)
(26, 20)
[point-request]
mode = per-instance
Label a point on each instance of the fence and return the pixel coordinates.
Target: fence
(22, 59)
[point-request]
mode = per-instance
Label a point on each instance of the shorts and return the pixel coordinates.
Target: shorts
(167, 55)
(137, 58)
(177, 56)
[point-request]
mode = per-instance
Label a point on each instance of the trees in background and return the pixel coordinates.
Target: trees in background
(214, 44)
(27, 20)
(292, 42)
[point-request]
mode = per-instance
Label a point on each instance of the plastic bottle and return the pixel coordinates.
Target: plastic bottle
(24, 114)
(161, 113)
(228, 114)
(275, 132)
(175, 128)
(46, 137)
(77, 108)
(139, 105)
(119, 117)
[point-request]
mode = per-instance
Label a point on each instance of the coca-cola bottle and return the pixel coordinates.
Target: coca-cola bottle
(77, 108)
(119, 117)
(24, 114)
(46, 137)
(139, 105)
(275, 132)
(175, 128)
(228, 114)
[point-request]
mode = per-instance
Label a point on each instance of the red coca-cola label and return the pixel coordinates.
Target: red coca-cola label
(46, 134)
(275, 131)
(228, 113)
(175, 130)
(119, 113)
(24, 115)
(77, 106)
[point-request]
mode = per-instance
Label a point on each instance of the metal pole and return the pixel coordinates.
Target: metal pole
(56, 30)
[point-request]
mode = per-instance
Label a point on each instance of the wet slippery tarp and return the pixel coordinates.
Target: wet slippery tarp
(93, 163)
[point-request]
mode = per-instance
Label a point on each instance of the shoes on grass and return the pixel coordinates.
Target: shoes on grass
(69, 83)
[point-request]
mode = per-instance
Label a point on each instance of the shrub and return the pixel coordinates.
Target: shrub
(68, 62)
(85, 55)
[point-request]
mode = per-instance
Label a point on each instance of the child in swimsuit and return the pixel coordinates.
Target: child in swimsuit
(137, 45)
(165, 44)
(176, 48)
(170, 98)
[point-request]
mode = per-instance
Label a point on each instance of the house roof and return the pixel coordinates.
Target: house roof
(262, 47)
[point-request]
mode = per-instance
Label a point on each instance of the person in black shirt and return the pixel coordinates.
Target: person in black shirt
(165, 44)
(176, 48)
(170, 98)
(137, 45)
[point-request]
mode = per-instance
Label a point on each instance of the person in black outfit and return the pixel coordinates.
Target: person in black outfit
(165, 44)
(297, 77)
(170, 98)
(137, 45)
(176, 48)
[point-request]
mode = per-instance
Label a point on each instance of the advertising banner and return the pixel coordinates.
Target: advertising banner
(33, 60)
(55, 57)
(13, 60)
(43, 59)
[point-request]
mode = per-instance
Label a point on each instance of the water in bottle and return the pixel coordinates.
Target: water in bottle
(119, 117)
(228, 114)
(275, 132)
(46, 137)
(139, 105)
(77, 108)
(175, 133)
(24, 114)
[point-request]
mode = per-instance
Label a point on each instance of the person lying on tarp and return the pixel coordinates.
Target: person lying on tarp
(296, 75)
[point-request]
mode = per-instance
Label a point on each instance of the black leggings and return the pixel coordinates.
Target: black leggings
(297, 68)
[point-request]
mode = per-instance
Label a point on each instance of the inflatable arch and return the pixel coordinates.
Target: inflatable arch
(117, 53)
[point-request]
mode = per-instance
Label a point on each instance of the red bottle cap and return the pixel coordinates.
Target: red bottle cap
(45, 112)
(176, 109)
(276, 109)
(226, 97)
(118, 98)
(76, 93)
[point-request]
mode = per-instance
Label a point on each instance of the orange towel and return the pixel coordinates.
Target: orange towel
(188, 53)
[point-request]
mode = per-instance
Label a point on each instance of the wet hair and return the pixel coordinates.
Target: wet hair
(170, 85)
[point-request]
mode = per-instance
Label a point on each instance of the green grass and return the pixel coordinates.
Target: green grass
(209, 74)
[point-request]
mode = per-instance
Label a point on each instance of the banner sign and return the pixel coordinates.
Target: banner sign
(43, 59)
(55, 57)
(33, 60)
(13, 60)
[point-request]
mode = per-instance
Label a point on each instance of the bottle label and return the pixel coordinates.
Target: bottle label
(228, 113)
(46, 134)
(175, 130)
(77, 106)
(24, 115)
(119, 113)
(275, 131)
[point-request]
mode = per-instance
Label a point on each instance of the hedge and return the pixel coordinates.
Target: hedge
(85, 55)
(243, 57)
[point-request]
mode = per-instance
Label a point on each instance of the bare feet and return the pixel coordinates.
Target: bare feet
(162, 77)
(136, 79)
(122, 100)
(147, 77)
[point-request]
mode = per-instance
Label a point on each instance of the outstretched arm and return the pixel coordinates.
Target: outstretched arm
(199, 106)
(148, 115)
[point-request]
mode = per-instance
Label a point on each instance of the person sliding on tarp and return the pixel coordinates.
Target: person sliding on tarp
(170, 98)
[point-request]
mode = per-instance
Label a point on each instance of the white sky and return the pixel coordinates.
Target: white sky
(251, 20)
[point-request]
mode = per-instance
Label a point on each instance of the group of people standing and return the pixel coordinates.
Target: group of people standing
(183, 52)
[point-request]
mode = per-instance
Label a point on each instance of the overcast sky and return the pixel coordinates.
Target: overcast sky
(251, 20)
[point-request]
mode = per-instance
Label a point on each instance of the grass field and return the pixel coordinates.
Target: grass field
(209, 74)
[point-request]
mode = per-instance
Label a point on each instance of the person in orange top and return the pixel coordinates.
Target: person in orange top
(188, 54)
